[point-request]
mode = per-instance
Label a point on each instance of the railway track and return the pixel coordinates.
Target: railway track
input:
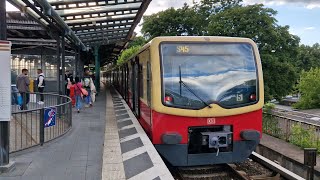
(296, 115)
(236, 172)
(218, 172)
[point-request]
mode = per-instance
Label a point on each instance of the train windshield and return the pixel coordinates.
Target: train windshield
(197, 75)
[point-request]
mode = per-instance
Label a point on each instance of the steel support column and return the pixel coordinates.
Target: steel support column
(4, 125)
(58, 65)
(77, 63)
(63, 62)
(97, 67)
(75, 70)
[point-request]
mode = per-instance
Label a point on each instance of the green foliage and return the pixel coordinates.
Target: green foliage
(137, 41)
(270, 126)
(279, 77)
(126, 54)
(308, 57)
(172, 22)
(185, 21)
(304, 137)
(268, 107)
(309, 87)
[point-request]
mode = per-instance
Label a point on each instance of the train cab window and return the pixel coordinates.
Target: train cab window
(195, 75)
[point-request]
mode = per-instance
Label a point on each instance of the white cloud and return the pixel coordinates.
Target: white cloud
(310, 4)
(160, 5)
(10, 7)
(309, 28)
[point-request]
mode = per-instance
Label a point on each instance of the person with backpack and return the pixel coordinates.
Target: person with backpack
(89, 86)
(41, 83)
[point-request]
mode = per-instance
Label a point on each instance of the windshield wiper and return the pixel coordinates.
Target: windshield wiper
(189, 89)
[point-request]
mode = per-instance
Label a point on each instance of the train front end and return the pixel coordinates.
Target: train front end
(209, 107)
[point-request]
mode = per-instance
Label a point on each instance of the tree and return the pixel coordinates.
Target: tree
(308, 57)
(309, 86)
(185, 21)
(137, 41)
(278, 48)
(171, 22)
(126, 54)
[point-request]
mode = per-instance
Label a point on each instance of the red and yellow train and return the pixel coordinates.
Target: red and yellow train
(199, 99)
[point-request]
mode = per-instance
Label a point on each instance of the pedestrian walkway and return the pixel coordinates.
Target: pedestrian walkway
(76, 155)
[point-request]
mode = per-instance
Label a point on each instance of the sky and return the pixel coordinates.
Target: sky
(301, 15)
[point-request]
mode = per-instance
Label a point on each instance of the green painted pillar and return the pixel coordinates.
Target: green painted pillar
(97, 68)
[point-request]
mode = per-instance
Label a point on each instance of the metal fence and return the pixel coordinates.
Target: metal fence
(28, 127)
(301, 129)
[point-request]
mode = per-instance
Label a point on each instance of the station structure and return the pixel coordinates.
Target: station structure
(61, 32)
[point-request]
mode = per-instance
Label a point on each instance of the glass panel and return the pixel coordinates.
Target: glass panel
(198, 74)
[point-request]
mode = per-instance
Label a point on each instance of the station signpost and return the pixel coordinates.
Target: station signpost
(5, 91)
(5, 101)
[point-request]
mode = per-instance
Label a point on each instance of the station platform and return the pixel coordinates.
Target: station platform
(128, 152)
(76, 155)
(106, 142)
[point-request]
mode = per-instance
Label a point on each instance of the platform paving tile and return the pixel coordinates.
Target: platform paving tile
(124, 123)
(127, 132)
(118, 108)
(137, 164)
(131, 145)
(77, 155)
(121, 112)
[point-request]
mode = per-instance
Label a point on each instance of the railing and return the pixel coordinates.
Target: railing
(301, 129)
(27, 127)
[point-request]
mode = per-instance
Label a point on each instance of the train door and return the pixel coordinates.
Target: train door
(121, 82)
(149, 82)
(127, 83)
(136, 88)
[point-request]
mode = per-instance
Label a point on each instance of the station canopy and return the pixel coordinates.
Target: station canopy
(108, 24)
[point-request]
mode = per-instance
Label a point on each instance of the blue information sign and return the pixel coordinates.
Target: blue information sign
(50, 117)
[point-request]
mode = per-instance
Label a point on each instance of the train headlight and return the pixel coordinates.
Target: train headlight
(168, 100)
(253, 97)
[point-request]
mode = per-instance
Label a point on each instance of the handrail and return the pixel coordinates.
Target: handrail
(28, 126)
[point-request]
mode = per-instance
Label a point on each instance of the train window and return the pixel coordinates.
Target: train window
(196, 75)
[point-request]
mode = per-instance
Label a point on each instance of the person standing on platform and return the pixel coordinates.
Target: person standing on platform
(68, 76)
(41, 83)
(23, 83)
(78, 93)
(89, 86)
(71, 87)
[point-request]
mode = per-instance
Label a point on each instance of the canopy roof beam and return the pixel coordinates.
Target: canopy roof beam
(67, 4)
